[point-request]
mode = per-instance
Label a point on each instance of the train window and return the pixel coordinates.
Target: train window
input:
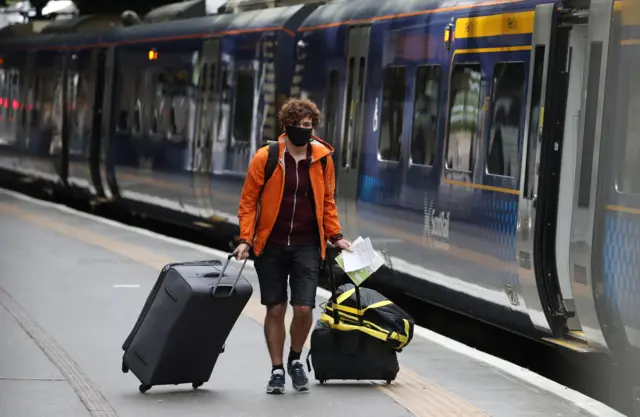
(331, 108)
(243, 109)
(426, 106)
(503, 145)
(393, 95)
(629, 174)
(534, 122)
(590, 116)
(464, 107)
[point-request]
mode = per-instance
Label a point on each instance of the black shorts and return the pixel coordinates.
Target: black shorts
(276, 263)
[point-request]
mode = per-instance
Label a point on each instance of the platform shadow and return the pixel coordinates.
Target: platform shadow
(346, 385)
(172, 393)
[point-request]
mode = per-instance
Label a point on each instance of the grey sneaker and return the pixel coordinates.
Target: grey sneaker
(276, 382)
(298, 376)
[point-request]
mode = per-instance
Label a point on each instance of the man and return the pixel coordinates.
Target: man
(296, 217)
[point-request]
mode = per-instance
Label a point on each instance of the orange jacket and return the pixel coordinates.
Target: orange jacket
(323, 185)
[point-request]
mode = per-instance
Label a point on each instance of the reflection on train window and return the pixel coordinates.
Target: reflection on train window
(331, 108)
(463, 116)
(534, 122)
(503, 145)
(172, 109)
(393, 95)
(629, 174)
(426, 106)
(243, 108)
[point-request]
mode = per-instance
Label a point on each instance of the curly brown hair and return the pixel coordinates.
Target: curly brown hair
(295, 109)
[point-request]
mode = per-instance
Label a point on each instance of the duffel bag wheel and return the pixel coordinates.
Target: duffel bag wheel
(196, 385)
(125, 368)
(322, 381)
(144, 388)
(388, 382)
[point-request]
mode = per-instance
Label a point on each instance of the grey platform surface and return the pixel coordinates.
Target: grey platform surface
(83, 282)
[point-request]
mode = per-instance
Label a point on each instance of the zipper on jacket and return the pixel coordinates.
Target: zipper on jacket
(293, 215)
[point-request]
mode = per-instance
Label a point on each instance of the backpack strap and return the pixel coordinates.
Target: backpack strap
(272, 162)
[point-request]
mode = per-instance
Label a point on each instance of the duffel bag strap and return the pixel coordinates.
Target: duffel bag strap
(350, 327)
(308, 361)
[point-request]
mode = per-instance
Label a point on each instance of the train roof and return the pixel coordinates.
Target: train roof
(353, 12)
(255, 20)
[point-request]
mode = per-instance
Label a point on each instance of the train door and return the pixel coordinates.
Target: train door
(547, 109)
(348, 161)
(201, 159)
(585, 194)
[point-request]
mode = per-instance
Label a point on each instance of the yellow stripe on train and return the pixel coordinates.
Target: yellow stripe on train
(495, 25)
(630, 11)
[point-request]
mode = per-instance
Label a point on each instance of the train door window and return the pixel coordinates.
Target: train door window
(15, 95)
(393, 96)
(331, 108)
(464, 107)
(348, 113)
(535, 114)
(503, 144)
(139, 98)
(629, 174)
(125, 97)
(243, 108)
(357, 130)
(426, 109)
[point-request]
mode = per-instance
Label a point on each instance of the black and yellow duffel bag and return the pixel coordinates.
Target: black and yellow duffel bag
(366, 310)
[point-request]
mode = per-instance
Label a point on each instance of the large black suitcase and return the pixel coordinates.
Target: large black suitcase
(185, 323)
(342, 355)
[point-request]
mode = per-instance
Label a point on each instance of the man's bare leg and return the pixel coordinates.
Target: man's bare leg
(300, 327)
(274, 332)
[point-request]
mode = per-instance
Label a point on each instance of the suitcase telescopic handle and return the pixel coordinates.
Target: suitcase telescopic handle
(224, 269)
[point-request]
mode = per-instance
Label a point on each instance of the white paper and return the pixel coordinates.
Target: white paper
(360, 275)
(361, 257)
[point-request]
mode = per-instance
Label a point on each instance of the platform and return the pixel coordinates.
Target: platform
(72, 285)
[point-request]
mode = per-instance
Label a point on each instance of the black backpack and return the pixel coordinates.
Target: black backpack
(272, 162)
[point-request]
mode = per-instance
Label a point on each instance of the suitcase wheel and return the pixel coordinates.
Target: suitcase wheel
(144, 388)
(322, 381)
(196, 385)
(125, 368)
(388, 381)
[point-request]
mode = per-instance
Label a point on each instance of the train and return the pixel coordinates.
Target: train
(486, 147)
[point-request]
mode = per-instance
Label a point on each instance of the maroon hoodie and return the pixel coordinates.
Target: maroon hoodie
(296, 223)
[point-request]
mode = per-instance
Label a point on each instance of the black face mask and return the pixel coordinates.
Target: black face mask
(298, 136)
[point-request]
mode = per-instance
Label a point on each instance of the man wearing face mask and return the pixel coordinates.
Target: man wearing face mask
(296, 216)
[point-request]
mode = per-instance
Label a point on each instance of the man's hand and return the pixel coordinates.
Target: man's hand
(344, 245)
(242, 252)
